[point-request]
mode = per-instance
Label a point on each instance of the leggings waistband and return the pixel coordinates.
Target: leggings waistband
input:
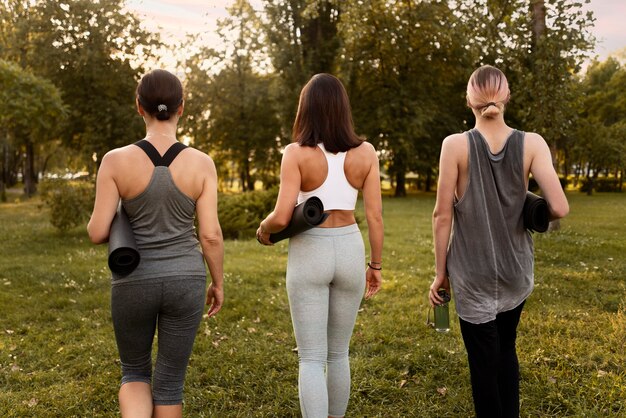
(333, 232)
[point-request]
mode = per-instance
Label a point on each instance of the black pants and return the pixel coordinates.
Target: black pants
(494, 368)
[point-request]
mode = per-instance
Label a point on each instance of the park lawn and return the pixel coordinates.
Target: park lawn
(58, 354)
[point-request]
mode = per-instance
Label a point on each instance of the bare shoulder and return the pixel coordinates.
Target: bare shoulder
(297, 152)
(118, 156)
(199, 160)
(365, 150)
(533, 138)
(294, 149)
(455, 140)
(534, 142)
(455, 144)
(199, 155)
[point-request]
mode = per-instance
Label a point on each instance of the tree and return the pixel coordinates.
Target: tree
(33, 111)
(600, 128)
(89, 50)
(302, 40)
(233, 114)
(405, 67)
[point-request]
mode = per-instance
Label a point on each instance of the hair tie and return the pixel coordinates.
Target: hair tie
(491, 104)
(162, 108)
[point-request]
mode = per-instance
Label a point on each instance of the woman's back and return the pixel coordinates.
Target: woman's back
(134, 169)
(313, 168)
(160, 200)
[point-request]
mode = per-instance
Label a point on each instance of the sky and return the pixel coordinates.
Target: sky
(176, 18)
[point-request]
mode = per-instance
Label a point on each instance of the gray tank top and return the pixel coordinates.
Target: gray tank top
(162, 218)
(490, 257)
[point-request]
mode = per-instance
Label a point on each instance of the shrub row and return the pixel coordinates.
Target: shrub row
(240, 214)
(602, 184)
(71, 203)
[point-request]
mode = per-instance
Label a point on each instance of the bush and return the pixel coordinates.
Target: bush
(602, 184)
(70, 202)
(240, 214)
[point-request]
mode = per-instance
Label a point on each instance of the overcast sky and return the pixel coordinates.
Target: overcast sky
(175, 18)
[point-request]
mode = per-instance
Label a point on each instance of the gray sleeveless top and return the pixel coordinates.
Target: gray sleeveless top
(162, 218)
(490, 257)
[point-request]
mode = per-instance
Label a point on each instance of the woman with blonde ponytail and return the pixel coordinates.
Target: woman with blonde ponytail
(486, 255)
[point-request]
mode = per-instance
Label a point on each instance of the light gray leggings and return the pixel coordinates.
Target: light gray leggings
(325, 284)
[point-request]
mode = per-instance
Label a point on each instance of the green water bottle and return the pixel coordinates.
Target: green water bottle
(442, 312)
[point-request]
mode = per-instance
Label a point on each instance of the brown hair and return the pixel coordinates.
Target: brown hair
(324, 115)
(160, 93)
(488, 91)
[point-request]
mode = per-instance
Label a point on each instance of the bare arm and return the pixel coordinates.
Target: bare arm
(543, 172)
(290, 180)
(443, 215)
(374, 215)
(211, 240)
(107, 200)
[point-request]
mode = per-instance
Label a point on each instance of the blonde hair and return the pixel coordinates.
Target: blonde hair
(488, 91)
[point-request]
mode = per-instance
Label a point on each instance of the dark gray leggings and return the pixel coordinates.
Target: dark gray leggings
(175, 306)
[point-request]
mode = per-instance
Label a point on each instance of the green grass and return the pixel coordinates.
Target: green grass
(58, 355)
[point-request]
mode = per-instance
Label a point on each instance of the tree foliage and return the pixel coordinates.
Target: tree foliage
(403, 67)
(91, 51)
(601, 127)
(233, 111)
(302, 40)
(33, 109)
(405, 64)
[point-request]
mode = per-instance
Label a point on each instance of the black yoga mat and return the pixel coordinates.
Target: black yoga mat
(306, 215)
(123, 253)
(536, 213)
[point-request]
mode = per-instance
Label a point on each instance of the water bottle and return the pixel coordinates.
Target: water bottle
(442, 312)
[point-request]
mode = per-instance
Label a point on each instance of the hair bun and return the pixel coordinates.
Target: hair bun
(491, 110)
(162, 113)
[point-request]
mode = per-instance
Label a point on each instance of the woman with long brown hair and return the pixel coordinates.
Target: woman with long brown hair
(326, 270)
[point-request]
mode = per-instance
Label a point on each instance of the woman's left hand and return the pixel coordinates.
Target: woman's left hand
(263, 236)
(373, 282)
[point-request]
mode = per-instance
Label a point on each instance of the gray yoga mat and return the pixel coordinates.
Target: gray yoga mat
(536, 213)
(123, 252)
(306, 215)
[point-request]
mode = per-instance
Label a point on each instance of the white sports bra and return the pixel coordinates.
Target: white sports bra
(336, 192)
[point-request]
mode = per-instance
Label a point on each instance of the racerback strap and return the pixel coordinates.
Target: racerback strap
(154, 155)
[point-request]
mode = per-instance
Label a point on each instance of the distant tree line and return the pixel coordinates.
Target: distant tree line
(404, 63)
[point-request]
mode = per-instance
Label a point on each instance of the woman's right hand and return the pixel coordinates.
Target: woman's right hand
(263, 236)
(215, 299)
(440, 282)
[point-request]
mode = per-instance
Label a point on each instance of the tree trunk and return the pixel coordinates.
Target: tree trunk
(400, 184)
(428, 184)
(538, 20)
(29, 170)
(3, 171)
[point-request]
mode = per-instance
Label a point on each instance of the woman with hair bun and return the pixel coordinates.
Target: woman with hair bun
(481, 246)
(163, 185)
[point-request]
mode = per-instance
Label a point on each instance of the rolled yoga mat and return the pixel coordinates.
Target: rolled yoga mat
(536, 213)
(123, 252)
(306, 215)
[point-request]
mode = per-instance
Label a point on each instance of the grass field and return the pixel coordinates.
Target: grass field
(58, 356)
